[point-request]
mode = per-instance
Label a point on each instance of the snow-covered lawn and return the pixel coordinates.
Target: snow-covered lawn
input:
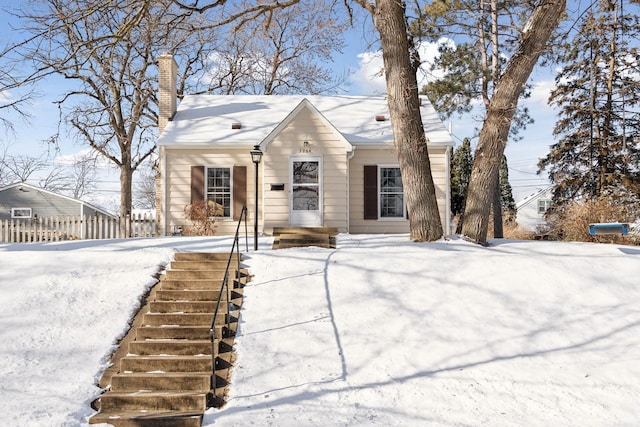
(380, 331)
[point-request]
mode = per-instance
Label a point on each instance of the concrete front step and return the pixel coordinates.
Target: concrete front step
(186, 319)
(297, 240)
(191, 284)
(183, 381)
(196, 295)
(184, 306)
(290, 237)
(198, 274)
(177, 332)
(166, 364)
(153, 401)
(202, 256)
(202, 265)
(332, 231)
(170, 347)
(186, 295)
(149, 419)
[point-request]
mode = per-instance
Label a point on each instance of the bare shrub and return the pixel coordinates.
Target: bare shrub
(514, 232)
(202, 217)
(571, 222)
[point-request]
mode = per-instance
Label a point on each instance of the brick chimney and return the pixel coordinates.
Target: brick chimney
(167, 92)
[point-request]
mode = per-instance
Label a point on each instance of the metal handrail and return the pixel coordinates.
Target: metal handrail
(225, 285)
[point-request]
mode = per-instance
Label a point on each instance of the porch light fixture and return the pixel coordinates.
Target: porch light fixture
(256, 157)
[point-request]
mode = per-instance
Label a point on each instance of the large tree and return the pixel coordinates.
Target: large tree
(598, 98)
(284, 52)
(400, 66)
(109, 50)
(500, 112)
(110, 62)
(474, 39)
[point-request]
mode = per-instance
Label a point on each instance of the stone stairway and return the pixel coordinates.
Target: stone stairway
(294, 237)
(162, 372)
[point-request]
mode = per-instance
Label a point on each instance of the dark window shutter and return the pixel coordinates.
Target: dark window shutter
(239, 190)
(371, 192)
(197, 183)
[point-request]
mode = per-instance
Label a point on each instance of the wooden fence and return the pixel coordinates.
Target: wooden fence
(75, 228)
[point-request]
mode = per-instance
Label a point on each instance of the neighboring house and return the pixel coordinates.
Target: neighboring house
(531, 210)
(328, 160)
(25, 201)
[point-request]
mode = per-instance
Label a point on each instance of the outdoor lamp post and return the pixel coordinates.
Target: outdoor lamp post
(256, 157)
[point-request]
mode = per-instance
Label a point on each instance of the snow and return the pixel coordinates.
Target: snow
(380, 331)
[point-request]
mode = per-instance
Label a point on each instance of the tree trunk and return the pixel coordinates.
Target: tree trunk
(495, 130)
(126, 179)
(406, 122)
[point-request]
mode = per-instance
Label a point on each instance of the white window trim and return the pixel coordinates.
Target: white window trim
(206, 188)
(404, 197)
(547, 205)
(15, 216)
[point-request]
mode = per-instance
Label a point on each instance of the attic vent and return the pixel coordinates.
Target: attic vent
(236, 125)
(380, 118)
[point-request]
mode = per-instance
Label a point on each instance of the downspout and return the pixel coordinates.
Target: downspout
(349, 157)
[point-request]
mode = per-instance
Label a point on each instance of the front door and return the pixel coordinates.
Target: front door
(306, 192)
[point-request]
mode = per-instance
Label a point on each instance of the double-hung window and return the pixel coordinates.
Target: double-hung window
(543, 205)
(219, 190)
(391, 195)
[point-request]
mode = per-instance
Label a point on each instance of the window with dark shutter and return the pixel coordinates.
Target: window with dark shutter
(371, 192)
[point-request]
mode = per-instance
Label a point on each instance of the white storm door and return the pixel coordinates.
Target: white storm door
(306, 192)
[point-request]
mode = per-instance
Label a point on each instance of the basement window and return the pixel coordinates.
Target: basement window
(21, 213)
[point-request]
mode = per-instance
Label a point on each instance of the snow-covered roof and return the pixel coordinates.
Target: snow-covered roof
(54, 194)
(203, 120)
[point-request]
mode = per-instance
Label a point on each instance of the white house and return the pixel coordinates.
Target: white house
(327, 160)
(531, 210)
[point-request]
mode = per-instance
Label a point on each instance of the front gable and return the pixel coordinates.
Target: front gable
(304, 121)
(306, 138)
